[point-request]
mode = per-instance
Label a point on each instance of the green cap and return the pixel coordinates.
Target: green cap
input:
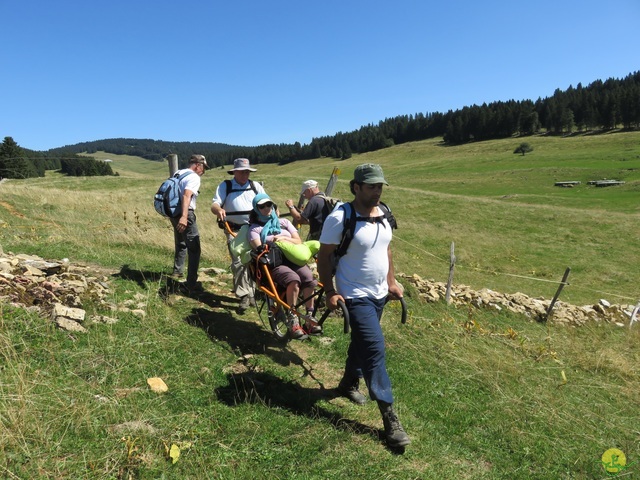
(369, 173)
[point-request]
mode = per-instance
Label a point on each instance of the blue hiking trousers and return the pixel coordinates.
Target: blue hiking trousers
(366, 355)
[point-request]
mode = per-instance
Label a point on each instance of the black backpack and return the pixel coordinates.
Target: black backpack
(230, 189)
(349, 225)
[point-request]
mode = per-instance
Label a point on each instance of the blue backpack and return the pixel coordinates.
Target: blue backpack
(168, 201)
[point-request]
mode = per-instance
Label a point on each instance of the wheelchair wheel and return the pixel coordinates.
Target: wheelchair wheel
(277, 320)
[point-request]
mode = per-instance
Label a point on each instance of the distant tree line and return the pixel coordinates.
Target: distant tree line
(599, 106)
(602, 105)
(84, 167)
(18, 162)
(155, 150)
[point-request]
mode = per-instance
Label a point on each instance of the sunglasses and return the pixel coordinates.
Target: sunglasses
(265, 205)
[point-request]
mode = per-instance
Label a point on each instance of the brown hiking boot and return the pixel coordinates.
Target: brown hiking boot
(293, 324)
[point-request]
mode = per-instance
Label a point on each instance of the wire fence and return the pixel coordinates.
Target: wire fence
(525, 277)
(32, 231)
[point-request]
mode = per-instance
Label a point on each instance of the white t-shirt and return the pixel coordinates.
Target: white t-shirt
(237, 201)
(190, 182)
(362, 271)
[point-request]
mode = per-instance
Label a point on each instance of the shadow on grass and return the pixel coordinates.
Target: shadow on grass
(244, 337)
(170, 285)
(141, 277)
(267, 389)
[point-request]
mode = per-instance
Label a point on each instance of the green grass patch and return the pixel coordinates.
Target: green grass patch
(483, 395)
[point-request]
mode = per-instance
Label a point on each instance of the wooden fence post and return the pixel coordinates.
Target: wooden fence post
(452, 263)
(560, 287)
(172, 159)
(633, 314)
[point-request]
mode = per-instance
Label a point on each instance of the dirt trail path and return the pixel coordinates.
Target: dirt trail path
(11, 210)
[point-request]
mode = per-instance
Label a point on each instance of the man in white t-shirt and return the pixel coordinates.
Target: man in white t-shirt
(232, 203)
(364, 276)
(185, 228)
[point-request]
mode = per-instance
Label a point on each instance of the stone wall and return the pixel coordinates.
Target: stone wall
(534, 308)
(56, 288)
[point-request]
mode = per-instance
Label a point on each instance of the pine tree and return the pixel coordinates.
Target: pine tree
(14, 162)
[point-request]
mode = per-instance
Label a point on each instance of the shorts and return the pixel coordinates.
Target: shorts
(289, 272)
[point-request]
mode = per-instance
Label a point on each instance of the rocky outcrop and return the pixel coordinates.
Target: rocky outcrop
(54, 289)
(534, 308)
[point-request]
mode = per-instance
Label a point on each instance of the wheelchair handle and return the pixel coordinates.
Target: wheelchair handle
(345, 315)
(404, 308)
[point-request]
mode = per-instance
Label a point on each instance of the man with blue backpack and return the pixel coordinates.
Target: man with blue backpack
(185, 228)
(355, 247)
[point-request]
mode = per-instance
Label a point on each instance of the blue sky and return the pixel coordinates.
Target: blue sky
(257, 72)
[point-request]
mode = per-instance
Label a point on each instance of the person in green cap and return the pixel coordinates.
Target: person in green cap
(364, 276)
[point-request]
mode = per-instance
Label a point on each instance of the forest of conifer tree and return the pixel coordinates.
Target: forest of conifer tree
(600, 106)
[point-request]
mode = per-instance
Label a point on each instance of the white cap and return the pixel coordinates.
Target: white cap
(308, 184)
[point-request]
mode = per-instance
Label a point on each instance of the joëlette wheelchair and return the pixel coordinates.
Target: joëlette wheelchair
(270, 297)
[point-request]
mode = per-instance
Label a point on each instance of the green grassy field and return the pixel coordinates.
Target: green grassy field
(483, 395)
(513, 230)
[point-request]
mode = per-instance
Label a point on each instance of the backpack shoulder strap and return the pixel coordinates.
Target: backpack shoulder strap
(181, 176)
(349, 224)
(230, 189)
(326, 208)
(227, 184)
(388, 215)
(348, 228)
